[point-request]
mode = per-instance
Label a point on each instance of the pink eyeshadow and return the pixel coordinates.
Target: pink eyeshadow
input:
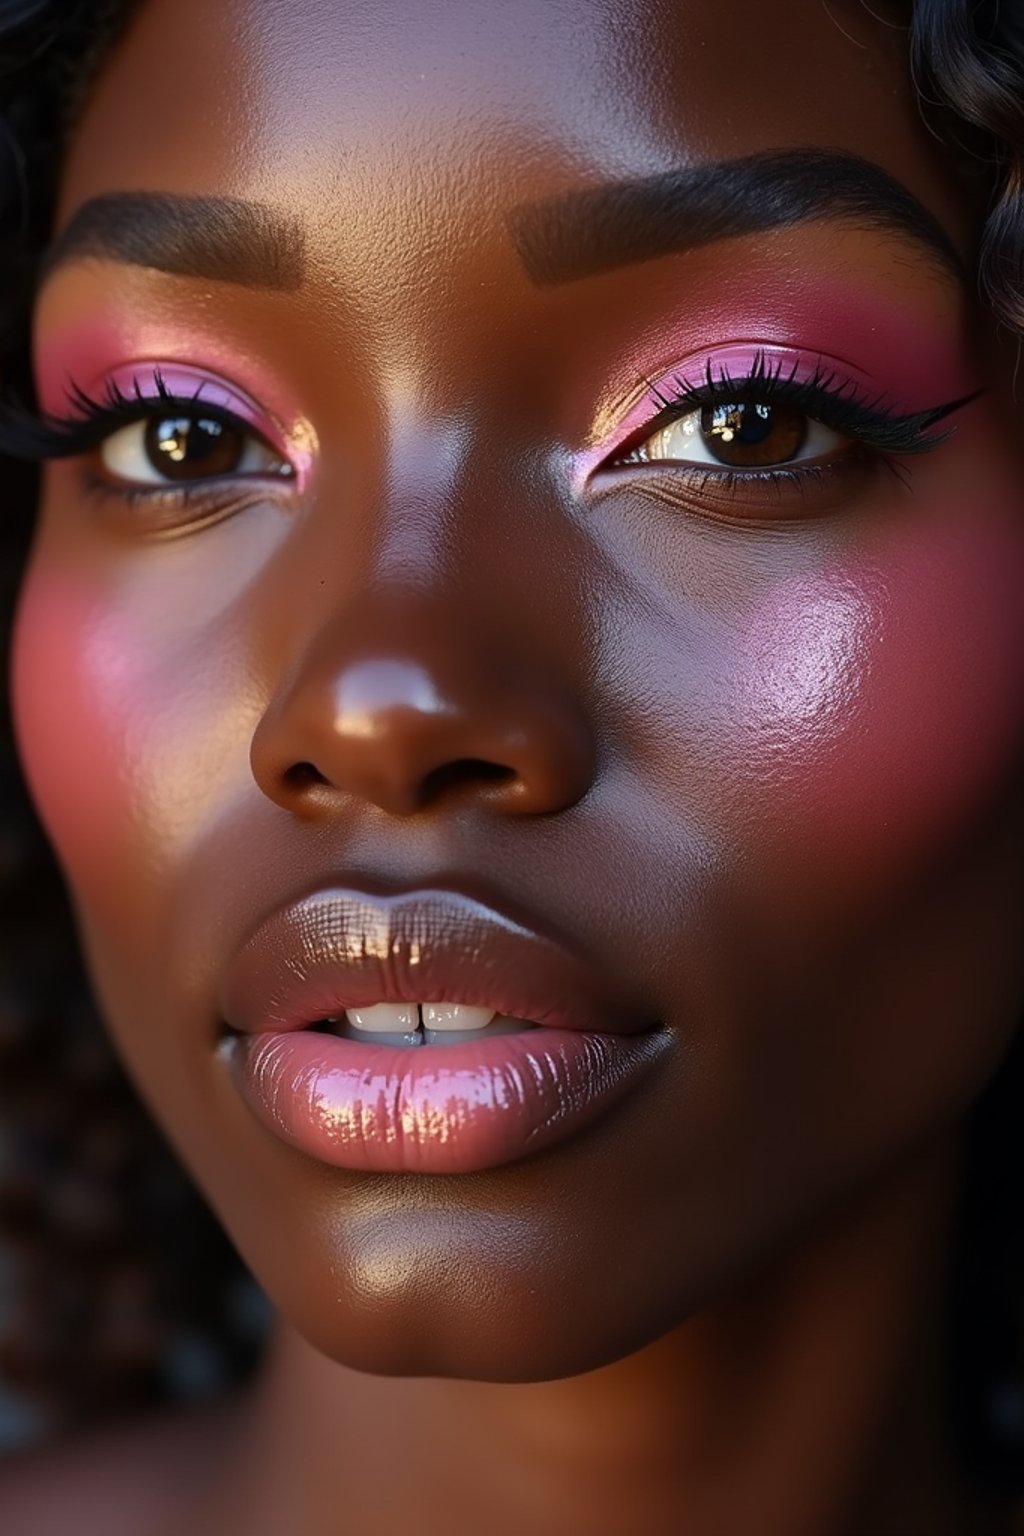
(913, 355)
(738, 361)
(117, 350)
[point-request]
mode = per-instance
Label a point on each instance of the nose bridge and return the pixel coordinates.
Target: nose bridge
(420, 516)
(441, 669)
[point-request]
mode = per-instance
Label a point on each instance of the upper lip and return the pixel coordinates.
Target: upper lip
(346, 948)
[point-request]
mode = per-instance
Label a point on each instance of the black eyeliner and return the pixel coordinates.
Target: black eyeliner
(26, 434)
(839, 408)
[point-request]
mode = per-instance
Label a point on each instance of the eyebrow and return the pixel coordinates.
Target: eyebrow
(595, 230)
(228, 239)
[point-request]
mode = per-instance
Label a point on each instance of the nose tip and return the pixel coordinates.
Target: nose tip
(394, 732)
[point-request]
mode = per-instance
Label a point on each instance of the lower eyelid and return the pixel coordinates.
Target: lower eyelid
(167, 510)
(747, 498)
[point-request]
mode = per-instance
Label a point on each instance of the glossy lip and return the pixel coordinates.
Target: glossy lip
(427, 1109)
(345, 948)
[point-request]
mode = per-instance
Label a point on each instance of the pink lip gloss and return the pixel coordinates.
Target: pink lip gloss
(432, 1109)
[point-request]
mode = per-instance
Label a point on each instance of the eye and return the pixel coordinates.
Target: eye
(177, 448)
(742, 434)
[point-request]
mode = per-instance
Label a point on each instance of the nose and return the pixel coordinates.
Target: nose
(398, 703)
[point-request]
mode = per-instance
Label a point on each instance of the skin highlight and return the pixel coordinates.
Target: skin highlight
(761, 754)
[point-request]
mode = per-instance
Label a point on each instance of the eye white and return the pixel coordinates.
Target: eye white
(682, 442)
(124, 456)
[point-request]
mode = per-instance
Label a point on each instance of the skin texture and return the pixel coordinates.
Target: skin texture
(762, 750)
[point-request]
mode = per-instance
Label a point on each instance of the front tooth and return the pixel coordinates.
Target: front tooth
(385, 1018)
(455, 1016)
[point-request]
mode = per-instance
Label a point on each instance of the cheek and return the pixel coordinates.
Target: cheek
(73, 687)
(878, 706)
(128, 743)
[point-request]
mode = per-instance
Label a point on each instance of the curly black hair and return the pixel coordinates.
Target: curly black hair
(126, 1292)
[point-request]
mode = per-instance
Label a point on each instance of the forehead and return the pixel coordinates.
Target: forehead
(364, 117)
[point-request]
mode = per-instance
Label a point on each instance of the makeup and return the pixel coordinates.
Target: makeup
(585, 233)
(841, 395)
(755, 777)
(140, 393)
(842, 680)
(435, 1108)
(123, 348)
(174, 445)
(909, 349)
(224, 239)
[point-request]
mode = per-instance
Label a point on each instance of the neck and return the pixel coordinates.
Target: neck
(808, 1402)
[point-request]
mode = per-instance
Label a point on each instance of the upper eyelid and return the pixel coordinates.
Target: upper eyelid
(691, 396)
(737, 358)
(83, 433)
(825, 382)
(129, 395)
(150, 384)
(182, 384)
(662, 409)
(617, 422)
(828, 390)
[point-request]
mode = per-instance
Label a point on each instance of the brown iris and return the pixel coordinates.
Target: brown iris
(193, 448)
(753, 433)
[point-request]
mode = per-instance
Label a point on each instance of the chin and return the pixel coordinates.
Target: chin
(395, 1291)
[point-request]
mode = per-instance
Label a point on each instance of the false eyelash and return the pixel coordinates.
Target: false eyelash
(25, 434)
(839, 407)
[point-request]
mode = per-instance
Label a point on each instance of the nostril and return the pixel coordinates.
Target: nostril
(303, 776)
(466, 768)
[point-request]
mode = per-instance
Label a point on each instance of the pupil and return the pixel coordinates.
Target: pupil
(752, 433)
(186, 448)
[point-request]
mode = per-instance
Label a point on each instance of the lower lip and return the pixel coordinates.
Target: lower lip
(433, 1109)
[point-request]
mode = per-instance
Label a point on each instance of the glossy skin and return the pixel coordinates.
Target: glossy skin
(762, 752)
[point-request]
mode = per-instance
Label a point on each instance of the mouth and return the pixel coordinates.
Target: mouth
(424, 1032)
(414, 1024)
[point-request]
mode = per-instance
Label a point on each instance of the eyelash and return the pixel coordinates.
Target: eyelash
(878, 429)
(26, 435)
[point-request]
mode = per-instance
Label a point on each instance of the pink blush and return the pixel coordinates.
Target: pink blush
(880, 699)
(68, 685)
(123, 749)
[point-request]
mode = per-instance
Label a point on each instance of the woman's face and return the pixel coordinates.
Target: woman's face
(732, 704)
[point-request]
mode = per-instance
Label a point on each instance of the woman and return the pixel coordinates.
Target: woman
(521, 666)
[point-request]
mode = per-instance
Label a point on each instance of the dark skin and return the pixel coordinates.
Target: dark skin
(760, 753)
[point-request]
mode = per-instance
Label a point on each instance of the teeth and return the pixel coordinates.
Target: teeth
(385, 1018)
(443, 1024)
(445, 1016)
